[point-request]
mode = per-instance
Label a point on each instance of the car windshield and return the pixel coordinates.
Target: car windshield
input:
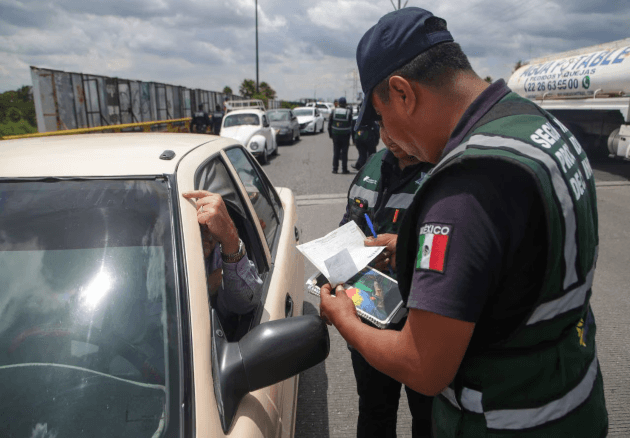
(88, 320)
(322, 106)
(303, 112)
(241, 119)
(279, 116)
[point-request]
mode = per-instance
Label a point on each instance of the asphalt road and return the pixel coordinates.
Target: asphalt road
(327, 400)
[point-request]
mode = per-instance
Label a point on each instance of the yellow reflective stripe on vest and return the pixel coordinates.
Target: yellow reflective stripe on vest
(400, 200)
(515, 419)
(571, 300)
(361, 192)
(559, 185)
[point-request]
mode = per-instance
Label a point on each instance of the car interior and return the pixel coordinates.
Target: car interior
(214, 177)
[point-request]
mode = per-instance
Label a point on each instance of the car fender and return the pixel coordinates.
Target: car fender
(258, 138)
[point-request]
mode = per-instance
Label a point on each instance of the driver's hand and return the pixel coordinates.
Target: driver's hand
(212, 212)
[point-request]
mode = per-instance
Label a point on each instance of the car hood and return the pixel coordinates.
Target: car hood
(241, 133)
(305, 119)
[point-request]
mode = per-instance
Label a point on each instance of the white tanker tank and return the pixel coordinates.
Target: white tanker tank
(587, 89)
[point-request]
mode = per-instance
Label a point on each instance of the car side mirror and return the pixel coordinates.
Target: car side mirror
(270, 353)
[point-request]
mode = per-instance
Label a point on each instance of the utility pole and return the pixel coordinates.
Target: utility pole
(257, 46)
(399, 7)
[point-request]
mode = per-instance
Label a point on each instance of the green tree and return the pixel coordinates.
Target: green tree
(247, 88)
(227, 90)
(488, 79)
(265, 89)
(518, 65)
(14, 114)
(24, 93)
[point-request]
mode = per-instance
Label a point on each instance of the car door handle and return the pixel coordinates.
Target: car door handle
(288, 307)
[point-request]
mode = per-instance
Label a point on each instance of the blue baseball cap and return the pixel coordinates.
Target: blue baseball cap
(342, 100)
(396, 39)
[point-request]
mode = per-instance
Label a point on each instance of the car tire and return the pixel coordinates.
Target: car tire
(264, 159)
(322, 130)
(275, 151)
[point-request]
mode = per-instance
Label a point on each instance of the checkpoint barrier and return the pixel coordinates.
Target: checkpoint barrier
(174, 125)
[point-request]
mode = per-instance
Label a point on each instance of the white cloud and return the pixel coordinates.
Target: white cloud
(306, 47)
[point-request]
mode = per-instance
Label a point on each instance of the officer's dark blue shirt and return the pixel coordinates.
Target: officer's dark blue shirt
(495, 255)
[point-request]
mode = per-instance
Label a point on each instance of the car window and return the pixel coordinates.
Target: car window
(214, 177)
(303, 112)
(265, 122)
(279, 116)
(262, 196)
(241, 119)
(89, 324)
(321, 105)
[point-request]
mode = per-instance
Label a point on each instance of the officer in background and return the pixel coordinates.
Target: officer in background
(383, 189)
(340, 129)
(200, 121)
(495, 256)
(365, 139)
(217, 118)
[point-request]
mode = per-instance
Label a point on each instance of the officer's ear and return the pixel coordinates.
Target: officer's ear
(402, 94)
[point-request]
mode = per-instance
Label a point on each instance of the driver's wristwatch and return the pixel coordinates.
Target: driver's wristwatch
(236, 256)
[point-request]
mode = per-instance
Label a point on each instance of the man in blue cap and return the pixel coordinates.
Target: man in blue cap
(340, 129)
(495, 256)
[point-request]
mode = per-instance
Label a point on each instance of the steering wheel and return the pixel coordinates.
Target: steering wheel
(111, 342)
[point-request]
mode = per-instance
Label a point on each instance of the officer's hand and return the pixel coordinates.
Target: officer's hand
(388, 256)
(334, 309)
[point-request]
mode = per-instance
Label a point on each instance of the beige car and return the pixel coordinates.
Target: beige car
(105, 323)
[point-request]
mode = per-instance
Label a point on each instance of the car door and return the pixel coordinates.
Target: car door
(295, 126)
(284, 295)
(266, 221)
(268, 133)
(318, 119)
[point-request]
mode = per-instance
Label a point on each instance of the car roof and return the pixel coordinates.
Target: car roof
(246, 111)
(116, 154)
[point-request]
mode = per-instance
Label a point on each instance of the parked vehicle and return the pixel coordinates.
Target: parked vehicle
(587, 90)
(106, 327)
(325, 108)
(286, 125)
(250, 126)
(310, 119)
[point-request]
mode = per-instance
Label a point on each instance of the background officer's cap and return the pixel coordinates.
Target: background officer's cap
(396, 39)
(342, 101)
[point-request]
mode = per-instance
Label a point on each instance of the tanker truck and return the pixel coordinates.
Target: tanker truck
(588, 90)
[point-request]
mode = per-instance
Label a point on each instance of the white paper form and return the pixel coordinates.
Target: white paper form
(339, 244)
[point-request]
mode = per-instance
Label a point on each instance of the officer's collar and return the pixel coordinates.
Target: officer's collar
(480, 106)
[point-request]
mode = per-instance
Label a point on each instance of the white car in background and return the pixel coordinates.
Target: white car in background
(251, 128)
(325, 108)
(310, 119)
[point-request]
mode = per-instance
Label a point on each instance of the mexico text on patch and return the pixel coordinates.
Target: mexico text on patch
(433, 246)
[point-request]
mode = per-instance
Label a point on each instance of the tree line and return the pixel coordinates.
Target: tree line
(17, 112)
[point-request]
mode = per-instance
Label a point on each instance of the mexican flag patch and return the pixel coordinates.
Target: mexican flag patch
(432, 246)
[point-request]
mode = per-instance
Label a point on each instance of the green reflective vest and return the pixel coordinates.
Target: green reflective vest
(386, 205)
(341, 121)
(544, 380)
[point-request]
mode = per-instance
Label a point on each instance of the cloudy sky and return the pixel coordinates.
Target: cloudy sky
(306, 47)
